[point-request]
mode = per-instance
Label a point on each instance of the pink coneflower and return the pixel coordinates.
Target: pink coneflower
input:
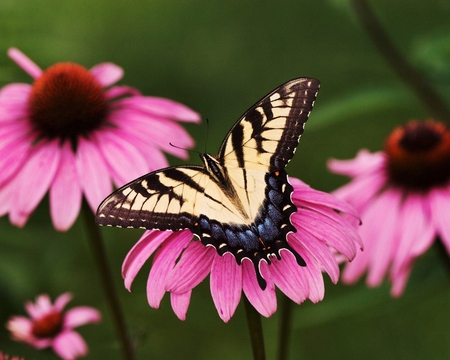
(72, 133)
(403, 196)
(49, 326)
(181, 262)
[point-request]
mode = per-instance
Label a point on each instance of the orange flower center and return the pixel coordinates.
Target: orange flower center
(66, 102)
(418, 155)
(48, 326)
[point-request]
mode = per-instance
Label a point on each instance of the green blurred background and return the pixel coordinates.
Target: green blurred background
(219, 57)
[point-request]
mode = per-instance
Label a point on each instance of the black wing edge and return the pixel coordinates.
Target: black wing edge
(306, 89)
(110, 212)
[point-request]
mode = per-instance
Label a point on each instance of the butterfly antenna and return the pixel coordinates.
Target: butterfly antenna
(182, 148)
(207, 134)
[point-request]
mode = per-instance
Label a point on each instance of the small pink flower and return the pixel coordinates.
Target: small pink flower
(4, 356)
(73, 134)
(181, 262)
(49, 326)
(403, 196)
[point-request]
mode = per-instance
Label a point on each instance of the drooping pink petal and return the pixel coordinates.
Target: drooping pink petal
(163, 262)
(194, 265)
(161, 107)
(312, 274)
(319, 250)
(180, 304)
(124, 160)
(417, 232)
(440, 204)
(14, 150)
(92, 173)
(24, 62)
(326, 231)
(107, 73)
(364, 162)
(287, 276)
(226, 285)
(264, 301)
(140, 253)
(41, 167)
(81, 315)
(65, 191)
(69, 345)
(361, 190)
(119, 91)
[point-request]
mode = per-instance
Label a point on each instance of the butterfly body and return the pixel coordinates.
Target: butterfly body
(239, 202)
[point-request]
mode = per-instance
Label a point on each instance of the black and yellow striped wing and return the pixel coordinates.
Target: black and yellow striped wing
(240, 201)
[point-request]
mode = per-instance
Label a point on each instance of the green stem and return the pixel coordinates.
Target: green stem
(429, 97)
(255, 330)
(106, 278)
(287, 306)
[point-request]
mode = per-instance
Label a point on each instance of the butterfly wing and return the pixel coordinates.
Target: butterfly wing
(266, 136)
(167, 199)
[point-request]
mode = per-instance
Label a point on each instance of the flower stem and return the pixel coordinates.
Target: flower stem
(100, 257)
(285, 328)
(255, 330)
(429, 97)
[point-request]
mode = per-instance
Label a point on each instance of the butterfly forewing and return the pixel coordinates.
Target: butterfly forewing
(266, 136)
(166, 199)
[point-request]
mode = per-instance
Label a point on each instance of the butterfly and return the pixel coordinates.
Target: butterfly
(239, 201)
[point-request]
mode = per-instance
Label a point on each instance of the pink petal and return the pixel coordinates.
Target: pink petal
(417, 233)
(24, 62)
(264, 301)
(163, 263)
(14, 150)
(125, 162)
(361, 190)
(156, 161)
(14, 99)
(194, 265)
(41, 307)
(180, 304)
(319, 250)
(140, 253)
(69, 345)
(34, 180)
(81, 315)
(361, 164)
(92, 173)
(107, 73)
(288, 277)
(313, 275)
(312, 196)
(65, 191)
(20, 328)
(161, 107)
(440, 204)
(119, 91)
(160, 132)
(226, 285)
(62, 301)
(325, 230)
